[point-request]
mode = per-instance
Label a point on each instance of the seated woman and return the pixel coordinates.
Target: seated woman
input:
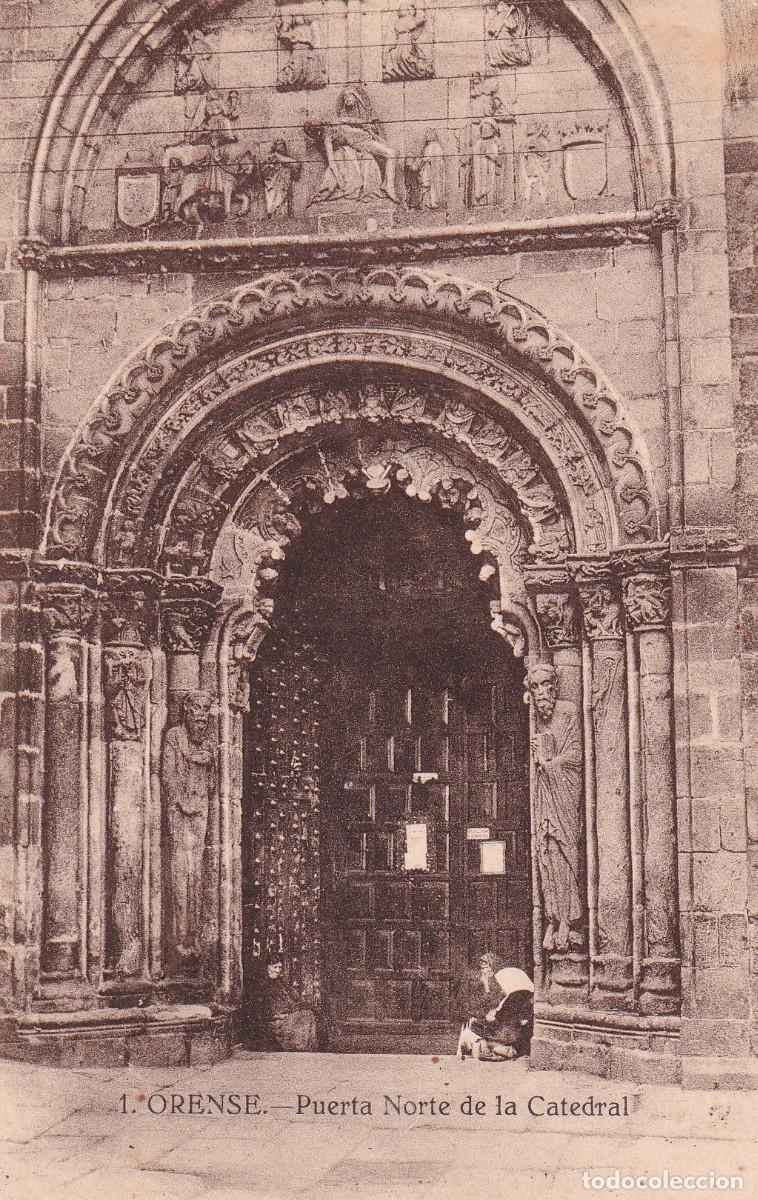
(499, 1007)
(287, 1022)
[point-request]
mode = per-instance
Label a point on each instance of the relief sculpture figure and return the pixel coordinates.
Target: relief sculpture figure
(426, 175)
(408, 58)
(487, 161)
(507, 27)
(360, 163)
(304, 61)
(557, 756)
(188, 782)
(279, 172)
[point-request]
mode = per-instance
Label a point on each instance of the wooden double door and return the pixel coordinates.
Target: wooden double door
(425, 842)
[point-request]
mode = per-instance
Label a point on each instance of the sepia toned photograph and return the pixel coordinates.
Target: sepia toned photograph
(378, 599)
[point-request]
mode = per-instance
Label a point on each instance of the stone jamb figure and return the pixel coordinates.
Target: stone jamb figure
(557, 756)
(188, 782)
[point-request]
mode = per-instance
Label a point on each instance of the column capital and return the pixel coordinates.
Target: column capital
(557, 619)
(128, 606)
(67, 612)
(601, 611)
(188, 610)
(647, 602)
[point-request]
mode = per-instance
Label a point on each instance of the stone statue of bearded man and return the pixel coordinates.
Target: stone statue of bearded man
(557, 757)
(188, 779)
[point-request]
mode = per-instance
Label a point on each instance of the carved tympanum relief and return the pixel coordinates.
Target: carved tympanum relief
(243, 82)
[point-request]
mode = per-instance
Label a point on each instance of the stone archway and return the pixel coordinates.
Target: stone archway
(171, 513)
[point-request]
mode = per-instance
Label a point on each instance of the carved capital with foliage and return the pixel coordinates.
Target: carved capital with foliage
(647, 602)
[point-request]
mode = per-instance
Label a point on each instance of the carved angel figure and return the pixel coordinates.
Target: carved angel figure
(360, 164)
(487, 161)
(304, 62)
(506, 29)
(408, 58)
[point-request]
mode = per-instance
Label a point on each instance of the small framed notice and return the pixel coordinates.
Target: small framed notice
(492, 858)
(477, 835)
(416, 856)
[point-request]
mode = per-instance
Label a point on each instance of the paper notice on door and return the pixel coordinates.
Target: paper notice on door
(492, 858)
(475, 834)
(415, 847)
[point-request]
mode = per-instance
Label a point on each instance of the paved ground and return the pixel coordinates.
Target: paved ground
(64, 1136)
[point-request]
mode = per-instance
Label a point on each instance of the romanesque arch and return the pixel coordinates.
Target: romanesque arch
(174, 508)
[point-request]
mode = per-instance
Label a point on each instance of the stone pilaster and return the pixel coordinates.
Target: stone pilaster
(602, 616)
(647, 602)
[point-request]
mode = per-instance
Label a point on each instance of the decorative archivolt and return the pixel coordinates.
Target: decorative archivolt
(269, 515)
(449, 327)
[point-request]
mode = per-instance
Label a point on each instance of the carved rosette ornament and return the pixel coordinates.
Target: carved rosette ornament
(557, 619)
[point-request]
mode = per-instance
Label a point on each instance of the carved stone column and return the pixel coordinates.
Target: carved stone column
(67, 617)
(569, 967)
(647, 600)
(127, 671)
(612, 963)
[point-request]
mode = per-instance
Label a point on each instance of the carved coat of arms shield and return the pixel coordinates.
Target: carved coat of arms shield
(585, 166)
(138, 196)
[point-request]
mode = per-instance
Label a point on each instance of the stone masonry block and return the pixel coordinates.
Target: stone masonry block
(733, 940)
(633, 294)
(719, 881)
(706, 830)
(720, 990)
(733, 823)
(709, 765)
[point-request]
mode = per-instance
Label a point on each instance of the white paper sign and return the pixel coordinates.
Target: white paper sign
(415, 847)
(492, 860)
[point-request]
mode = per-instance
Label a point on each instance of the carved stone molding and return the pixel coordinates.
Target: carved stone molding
(86, 475)
(557, 619)
(601, 612)
(260, 253)
(647, 602)
(255, 440)
(128, 607)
